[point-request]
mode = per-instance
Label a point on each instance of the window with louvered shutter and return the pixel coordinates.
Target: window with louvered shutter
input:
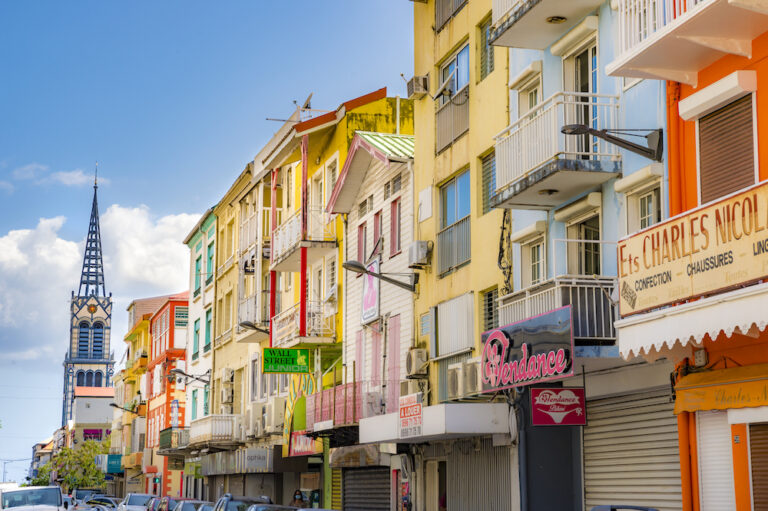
(726, 150)
(489, 180)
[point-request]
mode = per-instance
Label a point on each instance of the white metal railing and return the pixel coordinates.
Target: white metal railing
(589, 295)
(246, 310)
(502, 9)
(454, 245)
(266, 221)
(320, 323)
(248, 232)
(216, 428)
(640, 19)
(452, 119)
(221, 269)
(535, 138)
(288, 234)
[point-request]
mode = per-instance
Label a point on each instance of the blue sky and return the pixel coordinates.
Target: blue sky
(171, 98)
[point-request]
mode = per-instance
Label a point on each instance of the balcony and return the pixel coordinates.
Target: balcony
(132, 460)
(255, 309)
(593, 313)
(538, 167)
(451, 120)
(529, 23)
(173, 439)
(287, 239)
(223, 431)
(675, 39)
(320, 326)
(454, 246)
(335, 411)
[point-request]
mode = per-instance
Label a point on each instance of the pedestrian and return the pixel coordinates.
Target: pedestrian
(298, 499)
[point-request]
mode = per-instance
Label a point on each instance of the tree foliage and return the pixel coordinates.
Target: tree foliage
(43, 477)
(76, 468)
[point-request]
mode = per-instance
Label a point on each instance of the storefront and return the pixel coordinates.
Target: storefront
(366, 477)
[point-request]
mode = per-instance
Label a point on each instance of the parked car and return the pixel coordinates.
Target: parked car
(270, 507)
(190, 505)
(135, 502)
(101, 503)
(44, 498)
(229, 502)
(67, 501)
(80, 495)
(205, 506)
(153, 504)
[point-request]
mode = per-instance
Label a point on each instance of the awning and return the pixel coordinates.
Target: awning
(655, 334)
(738, 387)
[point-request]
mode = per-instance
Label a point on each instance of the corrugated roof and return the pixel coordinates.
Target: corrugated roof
(400, 146)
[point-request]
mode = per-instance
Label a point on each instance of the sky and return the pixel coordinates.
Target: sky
(171, 98)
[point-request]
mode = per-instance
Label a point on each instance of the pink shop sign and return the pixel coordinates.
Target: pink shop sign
(558, 407)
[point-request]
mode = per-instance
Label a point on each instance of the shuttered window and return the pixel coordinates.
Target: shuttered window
(758, 455)
(726, 150)
(490, 310)
(489, 180)
(486, 49)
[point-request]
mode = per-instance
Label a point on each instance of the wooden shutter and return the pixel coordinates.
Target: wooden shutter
(726, 150)
(758, 452)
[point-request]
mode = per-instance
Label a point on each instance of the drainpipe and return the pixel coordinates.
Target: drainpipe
(674, 150)
(685, 460)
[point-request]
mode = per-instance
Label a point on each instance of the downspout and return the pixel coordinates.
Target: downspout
(674, 171)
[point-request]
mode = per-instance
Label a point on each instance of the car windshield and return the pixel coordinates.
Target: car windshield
(138, 500)
(81, 494)
(205, 507)
(188, 506)
(239, 505)
(171, 504)
(38, 497)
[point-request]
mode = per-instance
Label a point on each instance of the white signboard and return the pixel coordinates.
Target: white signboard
(411, 415)
(370, 308)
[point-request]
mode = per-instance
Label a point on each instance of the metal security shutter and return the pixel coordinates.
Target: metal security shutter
(336, 488)
(713, 441)
(758, 455)
(726, 150)
(479, 476)
(631, 452)
(366, 489)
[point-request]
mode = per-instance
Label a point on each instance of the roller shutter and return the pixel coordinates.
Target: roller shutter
(758, 455)
(713, 441)
(726, 150)
(366, 489)
(336, 488)
(631, 452)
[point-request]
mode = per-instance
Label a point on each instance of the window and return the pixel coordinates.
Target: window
(650, 208)
(208, 327)
(255, 376)
(194, 404)
(726, 150)
(83, 339)
(98, 340)
(536, 251)
(488, 165)
(230, 238)
(196, 340)
(365, 207)
(454, 74)
(584, 255)
(445, 10)
(377, 232)
(198, 266)
(80, 379)
(333, 175)
(486, 49)
(580, 76)
(228, 311)
(206, 400)
(331, 270)
(362, 234)
(180, 317)
(209, 263)
(529, 96)
(453, 240)
(89, 379)
(394, 228)
(454, 200)
(490, 310)
(97, 379)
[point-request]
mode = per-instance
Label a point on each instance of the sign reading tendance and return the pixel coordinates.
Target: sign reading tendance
(708, 249)
(530, 351)
(285, 360)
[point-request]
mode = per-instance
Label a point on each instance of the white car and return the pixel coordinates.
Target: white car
(135, 502)
(33, 498)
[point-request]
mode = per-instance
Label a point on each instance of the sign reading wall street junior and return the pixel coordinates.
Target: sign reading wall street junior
(711, 248)
(285, 360)
(530, 351)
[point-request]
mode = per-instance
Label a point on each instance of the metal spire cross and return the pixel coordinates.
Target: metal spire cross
(92, 276)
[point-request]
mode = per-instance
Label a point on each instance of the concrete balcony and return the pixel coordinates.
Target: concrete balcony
(287, 239)
(255, 309)
(593, 313)
(173, 439)
(536, 23)
(538, 167)
(320, 325)
(675, 39)
(221, 431)
(336, 412)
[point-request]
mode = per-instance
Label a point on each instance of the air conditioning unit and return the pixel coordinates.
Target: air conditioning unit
(455, 381)
(256, 424)
(408, 387)
(227, 375)
(275, 415)
(226, 410)
(373, 404)
(227, 395)
(473, 383)
(419, 253)
(416, 363)
(418, 86)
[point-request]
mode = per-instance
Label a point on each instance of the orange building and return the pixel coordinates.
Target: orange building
(694, 289)
(168, 341)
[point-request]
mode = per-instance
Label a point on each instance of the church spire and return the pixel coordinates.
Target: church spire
(92, 276)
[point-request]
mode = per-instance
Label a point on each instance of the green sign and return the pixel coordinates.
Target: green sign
(280, 360)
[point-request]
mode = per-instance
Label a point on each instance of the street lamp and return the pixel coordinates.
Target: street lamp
(249, 325)
(115, 405)
(655, 143)
(204, 378)
(358, 267)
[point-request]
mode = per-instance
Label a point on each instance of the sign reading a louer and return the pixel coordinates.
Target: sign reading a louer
(411, 415)
(711, 248)
(285, 360)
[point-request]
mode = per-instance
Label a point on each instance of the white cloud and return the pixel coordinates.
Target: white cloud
(72, 178)
(30, 171)
(6, 186)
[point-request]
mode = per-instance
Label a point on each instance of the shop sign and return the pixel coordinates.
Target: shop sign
(558, 407)
(285, 360)
(113, 464)
(531, 351)
(302, 445)
(370, 306)
(411, 415)
(709, 249)
(259, 459)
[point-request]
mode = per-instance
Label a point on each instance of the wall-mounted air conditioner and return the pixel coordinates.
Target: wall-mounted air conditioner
(419, 253)
(418, 86)
(416, 363)
(227, 395)
(473, 383)
(275, 415)
(455, 381)
(227, 375)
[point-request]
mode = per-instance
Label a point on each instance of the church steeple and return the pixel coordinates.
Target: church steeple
(92, 276)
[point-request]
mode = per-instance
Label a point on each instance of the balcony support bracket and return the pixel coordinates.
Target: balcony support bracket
(741, 47)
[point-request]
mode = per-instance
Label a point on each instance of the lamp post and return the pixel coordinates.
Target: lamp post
(358, 267)
(204, 378)
(654, 139)
(250, 325)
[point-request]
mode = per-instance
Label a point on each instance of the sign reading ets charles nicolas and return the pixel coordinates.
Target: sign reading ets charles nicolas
(708, 249)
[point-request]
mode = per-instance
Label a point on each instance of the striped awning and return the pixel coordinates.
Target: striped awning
(392, 145)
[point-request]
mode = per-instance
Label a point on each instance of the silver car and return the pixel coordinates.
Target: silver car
(33, 498)
(135, 502)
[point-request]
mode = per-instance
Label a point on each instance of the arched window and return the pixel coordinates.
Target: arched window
(83, 339)
(89, 379)
(97, 379)
(80, 378)
(98, 340)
